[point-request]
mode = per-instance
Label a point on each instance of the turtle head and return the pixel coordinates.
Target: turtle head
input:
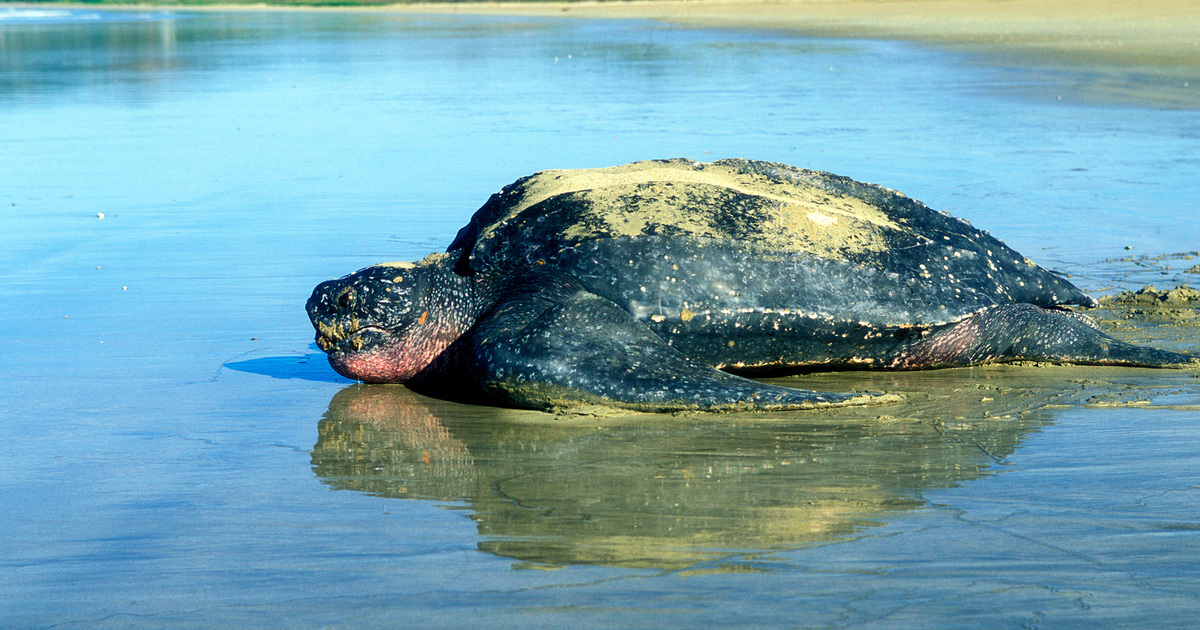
(388, 323)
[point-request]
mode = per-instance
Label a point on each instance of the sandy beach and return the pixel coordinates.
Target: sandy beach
(1150, 31)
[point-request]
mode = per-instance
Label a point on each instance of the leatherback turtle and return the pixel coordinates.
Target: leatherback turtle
(643, 286)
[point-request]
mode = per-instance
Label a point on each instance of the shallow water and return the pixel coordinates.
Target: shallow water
(172, 185)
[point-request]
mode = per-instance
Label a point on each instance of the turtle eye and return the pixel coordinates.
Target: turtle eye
(345, 298)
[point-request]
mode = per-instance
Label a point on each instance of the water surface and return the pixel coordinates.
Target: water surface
(173, 184)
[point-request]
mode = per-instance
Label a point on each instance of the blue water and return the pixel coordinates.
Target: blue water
(173, 184)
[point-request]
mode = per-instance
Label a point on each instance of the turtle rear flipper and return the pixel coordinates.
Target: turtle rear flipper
(1024, 331)
(559, 349)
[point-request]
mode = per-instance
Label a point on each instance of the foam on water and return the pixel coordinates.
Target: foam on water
(17, 16)
(26, 15)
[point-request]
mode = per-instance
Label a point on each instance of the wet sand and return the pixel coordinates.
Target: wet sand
(1162, 31)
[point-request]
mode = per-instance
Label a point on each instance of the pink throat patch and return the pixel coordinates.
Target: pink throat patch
(396, 360)
(375, 366)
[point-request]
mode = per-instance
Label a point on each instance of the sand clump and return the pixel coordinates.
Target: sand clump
(1182, 296)
(1174, 308)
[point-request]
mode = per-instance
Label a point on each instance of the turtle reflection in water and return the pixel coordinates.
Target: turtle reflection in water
(702, 492)
(643, 286)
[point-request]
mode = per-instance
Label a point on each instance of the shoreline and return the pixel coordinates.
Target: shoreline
(1126, 52)
(1145, 32)
(1164, 31)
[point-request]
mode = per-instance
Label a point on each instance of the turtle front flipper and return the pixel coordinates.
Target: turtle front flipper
(557, 347)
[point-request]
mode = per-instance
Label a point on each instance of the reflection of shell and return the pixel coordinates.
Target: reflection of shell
(660, 492)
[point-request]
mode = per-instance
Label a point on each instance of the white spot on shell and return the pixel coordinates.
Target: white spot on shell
(821, 218)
